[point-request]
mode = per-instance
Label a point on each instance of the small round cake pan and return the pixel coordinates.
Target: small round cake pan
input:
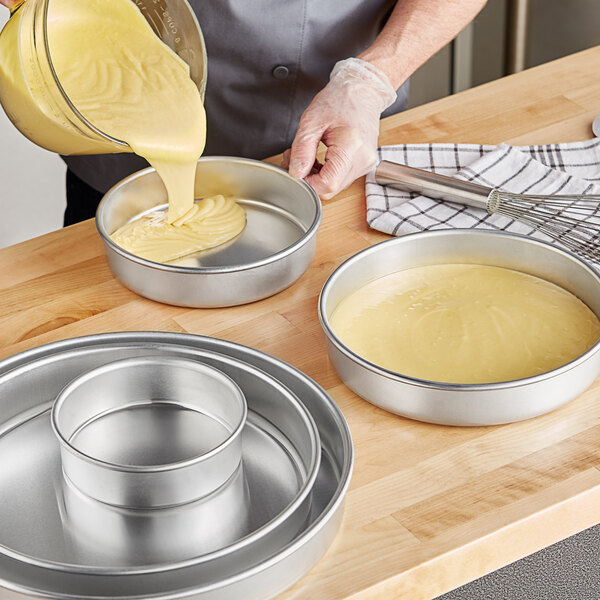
(150, 431)
(272, 252)
(174, 533)
(462, 404)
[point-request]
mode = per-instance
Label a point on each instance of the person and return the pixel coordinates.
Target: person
(285, 76)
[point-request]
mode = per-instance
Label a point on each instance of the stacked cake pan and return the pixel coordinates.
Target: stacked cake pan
(158, 465)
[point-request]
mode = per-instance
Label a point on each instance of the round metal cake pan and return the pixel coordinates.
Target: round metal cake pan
(462, 404)
(216, 521)
(274, 250)
(150, 431)
(29, 381)
(279, 430)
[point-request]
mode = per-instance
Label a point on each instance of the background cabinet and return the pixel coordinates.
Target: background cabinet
(507, 36)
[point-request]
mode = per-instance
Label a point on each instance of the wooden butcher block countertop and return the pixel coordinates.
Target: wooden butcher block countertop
(430, 507)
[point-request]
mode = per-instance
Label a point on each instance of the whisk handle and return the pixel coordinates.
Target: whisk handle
(431, 184)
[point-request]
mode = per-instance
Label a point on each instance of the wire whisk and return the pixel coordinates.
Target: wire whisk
(571, 220)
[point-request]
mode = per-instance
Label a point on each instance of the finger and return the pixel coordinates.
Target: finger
(333, 176)
(285, 162)
(304, 148)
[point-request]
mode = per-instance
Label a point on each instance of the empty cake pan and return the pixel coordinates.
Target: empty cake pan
(158, 535)
(275, 248)
(454, 403)
(150, 431)
(279, 468)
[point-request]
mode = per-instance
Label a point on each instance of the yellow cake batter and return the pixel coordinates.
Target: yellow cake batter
(126, 82)
(130, 85)
(461, 323)
(212, 221)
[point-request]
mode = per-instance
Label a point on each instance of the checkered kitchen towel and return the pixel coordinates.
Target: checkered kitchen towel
(572, 168)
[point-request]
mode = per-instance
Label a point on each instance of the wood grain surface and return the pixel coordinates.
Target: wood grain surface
(430, 507)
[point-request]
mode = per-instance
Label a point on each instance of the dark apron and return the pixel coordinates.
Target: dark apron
(266, 61)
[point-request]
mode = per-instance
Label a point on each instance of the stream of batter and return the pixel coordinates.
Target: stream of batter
(133, 87)
(460, 323)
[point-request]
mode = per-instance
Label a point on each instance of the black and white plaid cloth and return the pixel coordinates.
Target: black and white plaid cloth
(570, 168)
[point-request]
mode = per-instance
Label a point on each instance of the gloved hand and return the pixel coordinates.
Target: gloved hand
(345, 116)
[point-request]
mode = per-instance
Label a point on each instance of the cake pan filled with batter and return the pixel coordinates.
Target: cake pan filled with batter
(464, 327)
(273, 250)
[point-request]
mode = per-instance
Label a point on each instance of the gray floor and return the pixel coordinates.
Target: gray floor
(569, 570)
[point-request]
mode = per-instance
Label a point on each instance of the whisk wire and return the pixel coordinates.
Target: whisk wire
(572, 220)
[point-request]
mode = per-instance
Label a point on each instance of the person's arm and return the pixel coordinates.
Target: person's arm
(345, 114)
(415, 31)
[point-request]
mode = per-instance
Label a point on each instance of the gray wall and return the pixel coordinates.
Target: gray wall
(560, 27)
(31, 184)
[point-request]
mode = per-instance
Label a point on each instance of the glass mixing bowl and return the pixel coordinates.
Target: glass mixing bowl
(31, 92)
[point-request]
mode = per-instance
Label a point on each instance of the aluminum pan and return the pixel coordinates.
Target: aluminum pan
(261, 581)
(298, 435)
(462, 404)
(110, 392)
(251, 267)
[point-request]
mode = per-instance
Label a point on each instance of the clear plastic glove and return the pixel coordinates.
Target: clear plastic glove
(344, 115)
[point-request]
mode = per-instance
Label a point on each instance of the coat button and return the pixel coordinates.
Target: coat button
(280, 72)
